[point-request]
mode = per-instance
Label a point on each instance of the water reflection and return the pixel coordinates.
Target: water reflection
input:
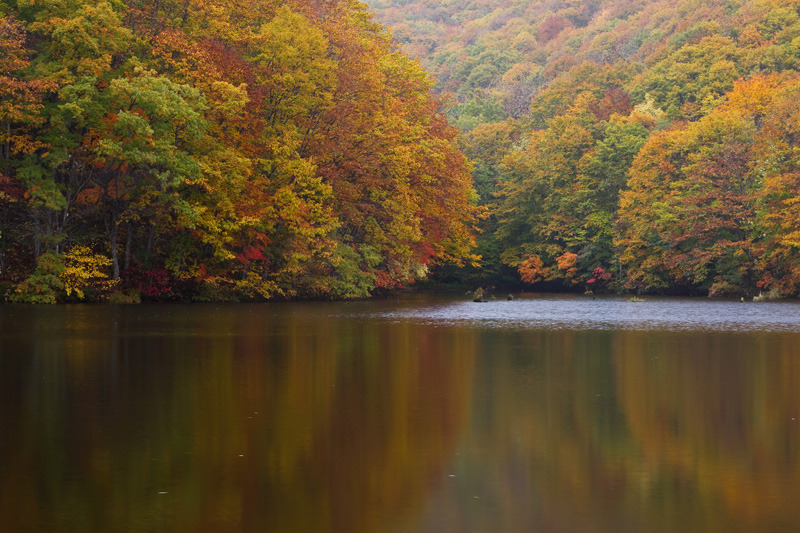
(419, 415)
(222, 419)
(633, 431)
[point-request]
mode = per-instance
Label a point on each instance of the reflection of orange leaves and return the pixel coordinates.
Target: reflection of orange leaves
(690, 417)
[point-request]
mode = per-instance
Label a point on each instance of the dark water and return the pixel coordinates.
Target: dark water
(419, 415)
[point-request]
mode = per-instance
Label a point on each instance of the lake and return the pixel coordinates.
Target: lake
(418, 414)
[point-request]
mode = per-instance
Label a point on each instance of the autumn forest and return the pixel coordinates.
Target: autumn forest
(214, 150)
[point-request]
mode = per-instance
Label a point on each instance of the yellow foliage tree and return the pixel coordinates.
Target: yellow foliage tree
(85, 270)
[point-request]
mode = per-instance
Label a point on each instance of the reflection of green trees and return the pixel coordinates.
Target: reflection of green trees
(301, 423)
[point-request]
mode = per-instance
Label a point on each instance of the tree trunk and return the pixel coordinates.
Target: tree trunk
(128, 247)
(150, 236)
(112, 235)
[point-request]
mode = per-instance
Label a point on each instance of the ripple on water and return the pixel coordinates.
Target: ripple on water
(576, 313)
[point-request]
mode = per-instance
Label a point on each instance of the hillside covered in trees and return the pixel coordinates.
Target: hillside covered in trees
(219, 150)
(215, 150)
(640, 145)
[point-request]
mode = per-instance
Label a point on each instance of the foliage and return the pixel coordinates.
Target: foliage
(78, 274)
(44, 285)
(240, 151)
(711, 204)
(154, 283)
(653, 141)
(124, 297)
(85, 271)
(268, 149)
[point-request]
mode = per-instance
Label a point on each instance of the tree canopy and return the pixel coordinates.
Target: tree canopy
(258, 150)
(635, 145)
(220, 150)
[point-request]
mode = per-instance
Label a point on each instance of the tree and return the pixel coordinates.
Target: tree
(235, 150)
(691, 81)
(141, 144)
(772, 101)
(21, 114)
(540, 215)
(688, 218)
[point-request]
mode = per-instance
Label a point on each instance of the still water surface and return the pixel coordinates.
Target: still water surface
(424, 414)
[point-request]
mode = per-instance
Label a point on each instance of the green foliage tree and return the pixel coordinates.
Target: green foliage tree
(691, 81)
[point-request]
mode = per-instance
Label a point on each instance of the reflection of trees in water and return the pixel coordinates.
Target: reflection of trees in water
(713, 417)
(304, 424)
(631, 431)
(551, 435)
(345, 425)
(527, 460)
